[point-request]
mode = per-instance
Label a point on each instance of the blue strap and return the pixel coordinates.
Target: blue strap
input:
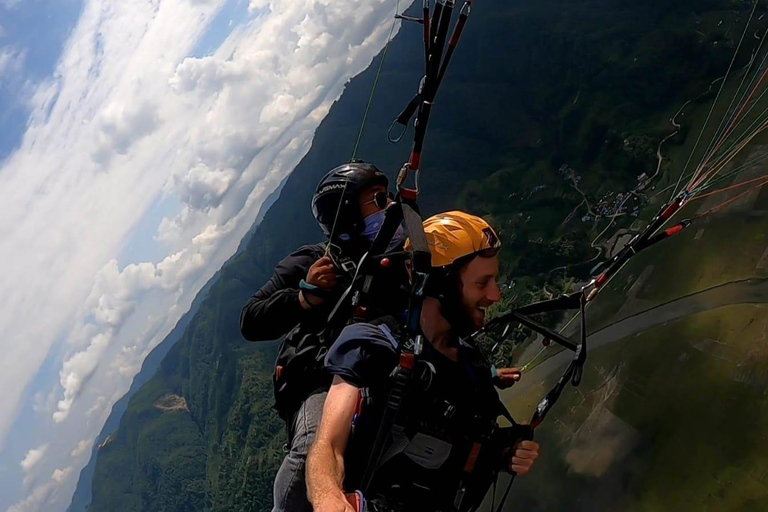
(308, 287)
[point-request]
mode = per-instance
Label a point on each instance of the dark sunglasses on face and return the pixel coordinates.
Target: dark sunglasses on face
(381, 199)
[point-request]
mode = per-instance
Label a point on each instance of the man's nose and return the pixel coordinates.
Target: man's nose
(494, 292)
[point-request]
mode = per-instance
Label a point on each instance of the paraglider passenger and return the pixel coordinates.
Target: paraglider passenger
(448, 411)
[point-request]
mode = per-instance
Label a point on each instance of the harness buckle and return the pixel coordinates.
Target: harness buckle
(418, 345)
(459, 497)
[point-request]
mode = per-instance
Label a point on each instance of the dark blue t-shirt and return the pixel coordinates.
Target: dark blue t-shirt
(437, 423)
(364, 354)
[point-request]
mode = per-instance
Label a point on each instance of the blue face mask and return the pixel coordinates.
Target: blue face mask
(373, 224)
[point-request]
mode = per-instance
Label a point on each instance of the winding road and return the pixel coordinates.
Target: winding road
(747, 291)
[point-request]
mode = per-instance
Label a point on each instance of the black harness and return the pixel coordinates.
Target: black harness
(485, 447)
(433, 427)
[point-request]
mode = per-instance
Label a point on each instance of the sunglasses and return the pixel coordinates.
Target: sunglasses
(381, 199)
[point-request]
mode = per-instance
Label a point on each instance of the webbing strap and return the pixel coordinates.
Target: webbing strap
(401, 378)
(405, 116)
(422, 258)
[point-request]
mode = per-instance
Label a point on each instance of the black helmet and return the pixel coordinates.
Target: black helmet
(337, 199)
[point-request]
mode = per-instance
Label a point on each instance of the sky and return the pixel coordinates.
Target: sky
(139, 139)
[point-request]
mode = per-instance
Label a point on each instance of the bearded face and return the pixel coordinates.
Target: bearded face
(479, 288)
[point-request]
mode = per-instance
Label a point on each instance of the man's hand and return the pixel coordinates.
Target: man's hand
(322, 274)
(526, 452)
(506, 377)
(333, 503)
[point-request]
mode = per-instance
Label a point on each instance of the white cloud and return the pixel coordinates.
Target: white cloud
(257, 5)
(46, 496)
(113, 299)
(120, 126)
(127, 121)
(76, 371)
(11, 59)
(36, 500)
(202, 187)
(33, 457)
(70, 215)
(60, 475)
(82, 447)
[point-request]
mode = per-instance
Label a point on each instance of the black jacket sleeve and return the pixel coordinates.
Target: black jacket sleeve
(275, 309)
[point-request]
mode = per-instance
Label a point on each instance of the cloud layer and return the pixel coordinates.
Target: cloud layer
(33, 456)
(134, 145)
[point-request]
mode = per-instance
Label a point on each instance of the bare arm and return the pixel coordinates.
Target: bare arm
(325, 463)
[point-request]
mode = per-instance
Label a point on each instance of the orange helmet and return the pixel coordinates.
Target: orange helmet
(453, 235)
